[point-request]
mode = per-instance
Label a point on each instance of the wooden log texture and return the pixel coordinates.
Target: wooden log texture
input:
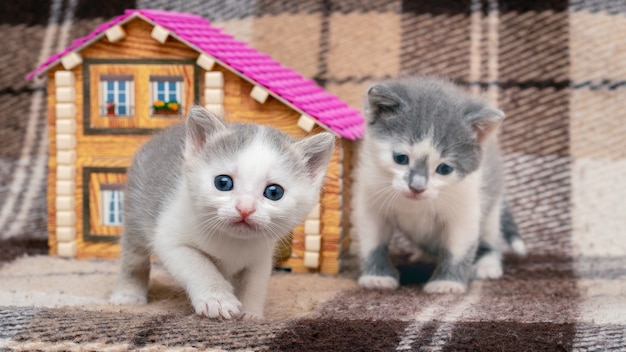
(142, 117)
(348, 162)
(52, 163)
(138, 43)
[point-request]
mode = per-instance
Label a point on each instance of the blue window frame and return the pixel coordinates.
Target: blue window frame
(168, 91)
(112, 197)
(117, 97)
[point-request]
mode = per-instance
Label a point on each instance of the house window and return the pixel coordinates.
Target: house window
(117, 97)
(112, 197)
(166, 95)
(103, 199)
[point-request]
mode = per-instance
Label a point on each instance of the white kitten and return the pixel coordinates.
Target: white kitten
(429, 168)
(211, 200)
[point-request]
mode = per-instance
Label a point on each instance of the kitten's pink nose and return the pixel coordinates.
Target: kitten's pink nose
(417, 190)
(245, 212)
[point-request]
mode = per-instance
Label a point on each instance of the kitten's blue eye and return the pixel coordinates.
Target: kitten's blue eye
(401, 159)
(444, 169)
(273, 192)
(223, 183)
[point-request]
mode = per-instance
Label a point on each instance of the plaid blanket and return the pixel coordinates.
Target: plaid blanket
(558, 70)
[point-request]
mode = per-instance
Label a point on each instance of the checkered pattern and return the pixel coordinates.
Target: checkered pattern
(556, 68)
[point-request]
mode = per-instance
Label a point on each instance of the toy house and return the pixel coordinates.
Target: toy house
(140, 72)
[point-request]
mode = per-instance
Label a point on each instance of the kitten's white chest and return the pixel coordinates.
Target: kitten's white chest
(418, 220)
(426, 222)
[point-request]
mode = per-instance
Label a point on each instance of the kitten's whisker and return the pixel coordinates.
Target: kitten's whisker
(451, 208)
(208, 226)
(388, 202)
(433, 217)
(275, 233)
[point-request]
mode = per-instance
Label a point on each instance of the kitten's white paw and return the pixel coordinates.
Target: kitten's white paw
(445, 286)
(218, 305)
(373, 282)
(128, 296)
(488, 267)
(519, 247)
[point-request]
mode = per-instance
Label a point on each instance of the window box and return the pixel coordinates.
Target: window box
(162, 108)
(166, 94)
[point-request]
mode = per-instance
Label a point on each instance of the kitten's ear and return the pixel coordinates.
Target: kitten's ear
(381, 100)
(317, 150)
(484, 121)
(201, 124)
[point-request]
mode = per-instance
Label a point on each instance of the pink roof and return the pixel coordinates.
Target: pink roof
(292, 88)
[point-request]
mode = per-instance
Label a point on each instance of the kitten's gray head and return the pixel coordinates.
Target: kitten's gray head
(252, 180)
(427, 133)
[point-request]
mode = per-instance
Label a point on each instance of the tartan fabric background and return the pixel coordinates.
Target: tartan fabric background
(557, 69)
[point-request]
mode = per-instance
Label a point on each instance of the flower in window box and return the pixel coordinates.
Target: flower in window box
(159, 104)
(110, 108)
(173, 105)
(160, 107)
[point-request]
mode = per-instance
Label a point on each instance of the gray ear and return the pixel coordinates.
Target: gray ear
(484, 121)
(381, 100)
(317, 150)
(201, 124)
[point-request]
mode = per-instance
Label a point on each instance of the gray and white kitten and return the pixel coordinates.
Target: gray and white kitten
(429, 168)
(211, 200)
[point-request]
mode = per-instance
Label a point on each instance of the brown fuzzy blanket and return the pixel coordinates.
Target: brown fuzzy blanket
(558, 70)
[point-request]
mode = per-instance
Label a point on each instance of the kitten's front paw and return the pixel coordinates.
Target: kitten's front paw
(218, 305)
(445, 286)
(128, 296)
(373, 282)
(488, 267)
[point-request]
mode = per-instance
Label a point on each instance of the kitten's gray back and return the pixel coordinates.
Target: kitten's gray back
(493, 175)
(152, 178)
